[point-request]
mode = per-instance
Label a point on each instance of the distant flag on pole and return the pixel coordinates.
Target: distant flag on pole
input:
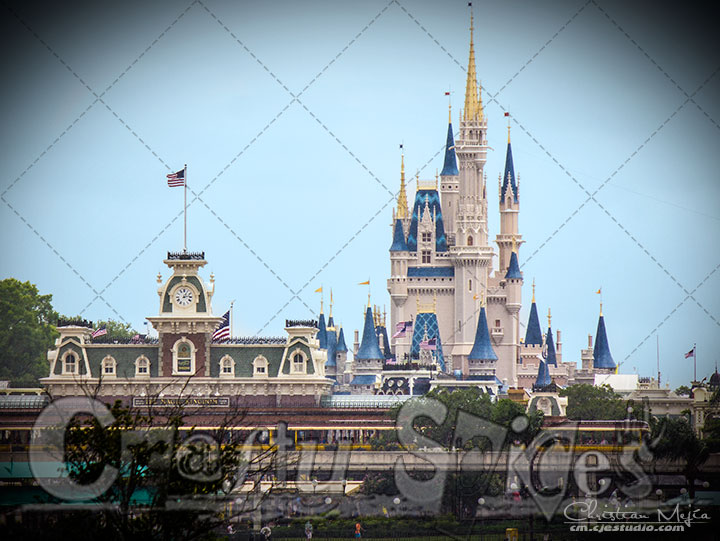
(507, 113)
(599, 292)
(401, 328)
(430, 345)
(690, 353)
(176, 179)
(222, 333)
(99, 332)
(447, 93)
(319, 290)
(364, 283)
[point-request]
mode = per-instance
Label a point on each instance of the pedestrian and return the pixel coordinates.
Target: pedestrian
(267, 532)
(358, 530)
(308, 530)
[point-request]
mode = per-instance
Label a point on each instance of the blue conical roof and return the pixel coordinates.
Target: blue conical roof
(551, 355)
(341, 347)
(433, 201)
(482, 348)
(322, 331)
(450, 165)
(369, 348)
(543, 377)
(533, 335)
(513, 268)
(330, 322)
(399, 244)
(383, 339)
(601, 353)
(509, 176)
(331, 347)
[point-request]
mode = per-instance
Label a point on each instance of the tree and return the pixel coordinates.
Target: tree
(116, 330)
(26, 332)
(588, 402)
(683, 390)
(675, 440)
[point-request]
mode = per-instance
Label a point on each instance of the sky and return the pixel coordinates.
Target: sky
(290, 116)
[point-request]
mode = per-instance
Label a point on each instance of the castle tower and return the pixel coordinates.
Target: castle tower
(602, 359)
(509, 237)
(482, 357)
(470, 254)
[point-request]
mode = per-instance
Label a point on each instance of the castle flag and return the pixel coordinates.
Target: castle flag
(222, 333)
(401, 328)
(176, 179)
(690, 353)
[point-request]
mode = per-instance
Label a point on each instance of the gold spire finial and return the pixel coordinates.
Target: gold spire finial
(473, 103)
(601, 315)
(436, 178)
(449, 113)
(331, 302)
(402, 202)
(549, 319)
(533, 299)
(508, 117)
(482, 299)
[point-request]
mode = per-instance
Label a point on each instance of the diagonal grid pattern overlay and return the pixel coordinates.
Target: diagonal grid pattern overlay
(327, 188)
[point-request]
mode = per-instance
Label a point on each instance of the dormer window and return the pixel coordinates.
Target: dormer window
(298, 363)
(183, 358)
(426, 236)
(69, 364)
(142, 367)
(260, 367)
(227, 367)
(108, 367)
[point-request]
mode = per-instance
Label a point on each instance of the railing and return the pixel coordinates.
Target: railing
(301, 323)
(196, 256)
(139, 340)
(75, 322)
(242, 340)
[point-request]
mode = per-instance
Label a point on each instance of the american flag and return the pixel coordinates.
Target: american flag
(99, 332)
(401, 328)
(690, 353)
(176, 179)
(222, 333)
(430, 345)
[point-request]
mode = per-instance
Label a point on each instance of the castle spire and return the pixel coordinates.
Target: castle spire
(369, 348)
(450, 165)
(509, 181)
(402, 202)
(473, 104)
(550, 353)
(533, 335)
(482, 349)
(602, 358)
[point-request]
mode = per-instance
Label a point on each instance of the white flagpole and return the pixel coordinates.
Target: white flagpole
(231, 317)
(185, 213)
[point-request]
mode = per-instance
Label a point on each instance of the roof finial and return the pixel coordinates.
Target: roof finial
(514, 244)
(482, 299)
(472, 110)
(331, 302)
(601, 314)
(533, 298)
(508, 117)
(402, 203)
(549, 319)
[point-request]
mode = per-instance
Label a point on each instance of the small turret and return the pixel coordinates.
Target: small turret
(341, 346)
(550, 353)
(369, 349)
(482, 349)
(399, 244)
(450, 167)
(533, 335)
(322, 330)
(602, 357)
(543, 378)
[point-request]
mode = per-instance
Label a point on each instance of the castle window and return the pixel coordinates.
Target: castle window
(70, 364)
(426, 236)
(298, 363)
(497, 323)
(469, 285)
(470, 241)
(227, 367)
(108, 366)
(426, 256)
(183, 358)
(142, 367)
(260, 367)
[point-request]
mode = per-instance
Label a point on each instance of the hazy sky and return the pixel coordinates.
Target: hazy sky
(289, 116)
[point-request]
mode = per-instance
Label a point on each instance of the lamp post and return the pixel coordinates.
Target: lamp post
(314, 483)
(344, 485)
(481, 502)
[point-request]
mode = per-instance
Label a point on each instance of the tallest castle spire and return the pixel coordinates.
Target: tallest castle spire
(473, 101)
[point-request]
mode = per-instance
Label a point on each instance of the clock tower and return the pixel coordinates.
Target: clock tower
(185, 322)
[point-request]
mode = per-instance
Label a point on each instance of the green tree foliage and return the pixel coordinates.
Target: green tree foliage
(683, 390)
(26, 332)
(116, 330)
(675, 440)
(588, 402)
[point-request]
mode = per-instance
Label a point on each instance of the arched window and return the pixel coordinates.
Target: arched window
(183, 358)
(470, 241)
(298, 363)
(108, 367)
(142, 367)
(70, 363)
(227, 367)
(260, 367)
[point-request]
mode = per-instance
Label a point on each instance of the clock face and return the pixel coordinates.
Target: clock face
(183, 296)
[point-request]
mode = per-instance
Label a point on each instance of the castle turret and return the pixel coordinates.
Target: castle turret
(482, 357)
(543, 377)
(322, 330)
(509, 237)
(550, 353)
(450, 183)
(601, 354)
(533, 335)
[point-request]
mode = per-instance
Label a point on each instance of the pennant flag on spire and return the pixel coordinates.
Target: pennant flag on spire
(364, 283)
(319, 290)
(176, 179)
(599, 292)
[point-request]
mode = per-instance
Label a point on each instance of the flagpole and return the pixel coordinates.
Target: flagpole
(185, 212)
(231, 317)
(695, 362)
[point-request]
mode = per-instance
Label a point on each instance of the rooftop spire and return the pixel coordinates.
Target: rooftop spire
(533, 335)
(509, 181)
(602, 358)
(369, 348)
(482, 349)
(402, 202)
(543, 377)
(473, 105)
(450, 164)
(533, 286)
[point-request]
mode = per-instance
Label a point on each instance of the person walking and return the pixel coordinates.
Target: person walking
(308, 530)
(358, 530)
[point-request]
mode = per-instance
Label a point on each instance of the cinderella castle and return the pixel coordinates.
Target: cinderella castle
(454, 312)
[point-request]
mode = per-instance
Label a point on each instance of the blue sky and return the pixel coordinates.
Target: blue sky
(289, 116)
